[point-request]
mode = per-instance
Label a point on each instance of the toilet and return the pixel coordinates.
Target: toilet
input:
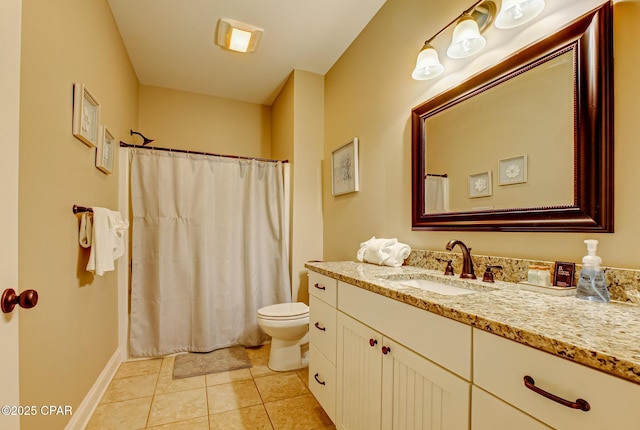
(288, 326)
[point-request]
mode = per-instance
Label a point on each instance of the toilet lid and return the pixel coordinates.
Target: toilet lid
(284, 311)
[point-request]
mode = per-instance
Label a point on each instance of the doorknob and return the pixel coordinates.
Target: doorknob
(27, 299)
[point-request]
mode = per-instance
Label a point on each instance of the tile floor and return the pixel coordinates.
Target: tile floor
(143, 395)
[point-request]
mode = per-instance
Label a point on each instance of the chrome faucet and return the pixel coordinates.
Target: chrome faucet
(467, 263)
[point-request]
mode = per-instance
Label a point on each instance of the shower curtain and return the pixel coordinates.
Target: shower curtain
(209, 249)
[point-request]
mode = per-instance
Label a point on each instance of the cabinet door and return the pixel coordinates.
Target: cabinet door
(491, 413)
(418, 394)
(359, 369)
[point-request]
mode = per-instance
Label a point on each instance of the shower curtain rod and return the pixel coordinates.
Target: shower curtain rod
(186, 151)
(444, 175)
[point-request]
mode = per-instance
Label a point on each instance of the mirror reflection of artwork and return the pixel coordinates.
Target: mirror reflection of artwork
(344, 168)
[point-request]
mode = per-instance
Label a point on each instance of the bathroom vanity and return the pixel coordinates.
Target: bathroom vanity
(385, 354)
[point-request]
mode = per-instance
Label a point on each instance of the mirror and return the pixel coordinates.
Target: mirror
(526, 145)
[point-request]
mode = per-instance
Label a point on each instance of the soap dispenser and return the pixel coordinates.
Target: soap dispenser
(591, 283)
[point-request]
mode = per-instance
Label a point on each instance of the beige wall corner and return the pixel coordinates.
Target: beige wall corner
(298, 135)
(199, 122)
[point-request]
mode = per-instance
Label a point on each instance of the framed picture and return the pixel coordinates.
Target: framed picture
(106, 150)
(344, 169)
(480, 185)
(86, 115)
(513, 170)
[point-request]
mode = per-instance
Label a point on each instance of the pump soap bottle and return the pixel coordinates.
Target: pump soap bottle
(591, 283)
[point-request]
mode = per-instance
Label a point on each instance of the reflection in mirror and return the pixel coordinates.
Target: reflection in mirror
(526, 145)
(510, 130)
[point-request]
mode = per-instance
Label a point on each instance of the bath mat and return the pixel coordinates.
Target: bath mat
(202, 363)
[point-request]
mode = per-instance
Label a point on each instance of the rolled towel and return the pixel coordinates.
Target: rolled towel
(397, 254)
(388, 252)
(375, 250)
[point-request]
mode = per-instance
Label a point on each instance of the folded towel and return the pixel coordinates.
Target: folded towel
(106, 241)
(387, 252)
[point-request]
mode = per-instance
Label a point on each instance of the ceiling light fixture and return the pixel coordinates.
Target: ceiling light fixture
(238, 36)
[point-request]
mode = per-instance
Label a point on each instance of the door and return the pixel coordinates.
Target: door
(10, 24)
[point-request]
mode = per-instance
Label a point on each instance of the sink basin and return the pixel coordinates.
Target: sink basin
(435, 287)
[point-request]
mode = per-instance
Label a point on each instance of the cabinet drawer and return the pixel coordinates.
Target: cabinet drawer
(437, 338)
(322, 381)
(491, 413)
(323, 287)
(322, 327)
(500, 366)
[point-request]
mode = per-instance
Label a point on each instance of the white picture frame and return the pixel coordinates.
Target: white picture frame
(480, 185)
(86, 115)
(344, 169)
(105, 151)
(512, 170)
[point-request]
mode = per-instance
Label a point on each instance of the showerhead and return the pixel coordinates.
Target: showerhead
(141, 135)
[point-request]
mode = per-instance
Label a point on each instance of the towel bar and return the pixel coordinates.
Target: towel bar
(79, 209)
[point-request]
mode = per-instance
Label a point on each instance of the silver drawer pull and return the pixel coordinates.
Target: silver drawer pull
(578, 404)
(318, 380)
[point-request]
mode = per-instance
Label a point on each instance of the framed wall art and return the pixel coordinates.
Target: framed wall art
(480, 185)
(105, 150)
(344, 169)
(86, 115)
(513, 170)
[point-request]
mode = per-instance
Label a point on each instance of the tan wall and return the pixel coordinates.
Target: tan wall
(66, 341)
(282, 136)
(183, 120)
(298, 120)
(370, 94)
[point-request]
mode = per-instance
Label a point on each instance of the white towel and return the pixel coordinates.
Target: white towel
(86, 230)
(387, 252)
(107, 240)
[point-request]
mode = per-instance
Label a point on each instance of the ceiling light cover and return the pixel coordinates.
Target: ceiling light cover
(238, 36)
(517, 12)
(428, 64)
(466, 39)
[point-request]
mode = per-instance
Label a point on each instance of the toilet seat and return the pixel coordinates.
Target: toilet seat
(284, 311)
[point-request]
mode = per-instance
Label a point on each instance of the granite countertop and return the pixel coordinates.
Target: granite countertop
(604, 336)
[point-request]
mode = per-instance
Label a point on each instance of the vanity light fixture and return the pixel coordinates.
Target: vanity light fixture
(517, 12)
(238, 36)
(467, 38)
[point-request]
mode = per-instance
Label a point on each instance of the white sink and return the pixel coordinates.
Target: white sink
(435, 287)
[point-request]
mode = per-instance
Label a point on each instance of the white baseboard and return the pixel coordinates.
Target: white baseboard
(83, 414)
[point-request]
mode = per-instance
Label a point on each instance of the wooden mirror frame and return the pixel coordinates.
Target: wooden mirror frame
(591, 38)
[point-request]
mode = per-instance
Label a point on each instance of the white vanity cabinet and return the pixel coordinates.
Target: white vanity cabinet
(322, 340)
(385, 384)
(500, 368)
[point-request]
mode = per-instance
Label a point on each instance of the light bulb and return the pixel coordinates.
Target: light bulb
(518, 12)
(466, 39)
(428, 64)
